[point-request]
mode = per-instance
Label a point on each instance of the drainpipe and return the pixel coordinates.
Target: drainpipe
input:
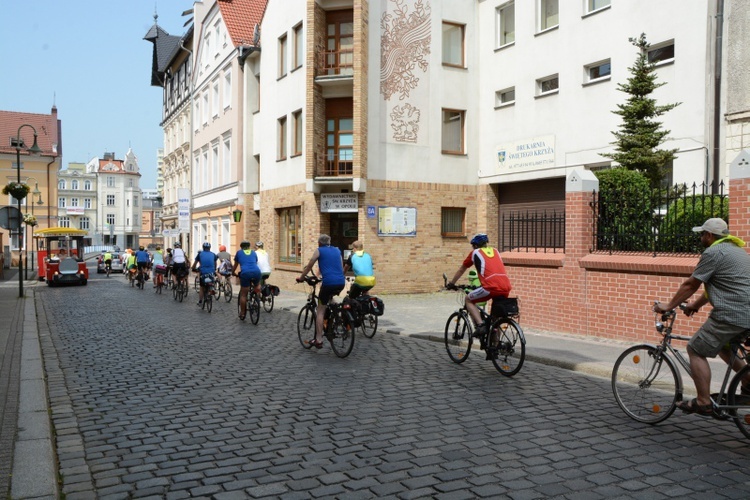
(717, 95)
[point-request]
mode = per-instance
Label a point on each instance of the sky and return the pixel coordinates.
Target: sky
(88, 58)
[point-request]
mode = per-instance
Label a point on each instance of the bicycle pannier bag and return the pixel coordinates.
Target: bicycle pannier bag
(502, 307)
(160, 269)
(377, 307)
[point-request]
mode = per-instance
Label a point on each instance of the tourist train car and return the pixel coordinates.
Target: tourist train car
(60, 256)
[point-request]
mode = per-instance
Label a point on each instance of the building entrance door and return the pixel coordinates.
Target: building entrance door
(343, 230)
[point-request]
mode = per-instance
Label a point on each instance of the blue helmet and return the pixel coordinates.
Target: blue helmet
(206, 246)
(479, 240)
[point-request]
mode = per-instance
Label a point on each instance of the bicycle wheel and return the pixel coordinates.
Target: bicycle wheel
(197, 284)
(268, 302)
(646, 383)
(740, 415)
(227, 291)
(181, 288)
(253, 308)
(174, 293)
(369, 325)
(306, 325)
(458, 337)
(140, 281)
(341, 336)
(511, 347)
(208, 300)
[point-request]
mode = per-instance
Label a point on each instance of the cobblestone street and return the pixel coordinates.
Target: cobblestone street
(151, 397)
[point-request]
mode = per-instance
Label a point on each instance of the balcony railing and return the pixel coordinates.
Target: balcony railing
(334, 165)
(335, 63)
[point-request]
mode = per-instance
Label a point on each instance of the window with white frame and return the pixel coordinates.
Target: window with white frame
(87, 185)
(282, 55)
(549, 14)
(61, 202)
(299, 44)
(505, 16)
(661, 53)
(207, 53)
(205, 110)
(225, 234)
(61, 184)
(214, 163)
(227, 160)
(84, 223)
(197, 172)
(110, 200)
(74, 202)
(505, 97)
(547, 85)
(452, 141)
(216, 104)
(197, 114)
(298, 133)
(290, 234)
(74, 184)
(64, 221)
(110, 219)
(594, 5)
(453, 44)
(111, 181)
(217, 32)
(204, 169)
(598, 71)
(228, 88)
(87, 203)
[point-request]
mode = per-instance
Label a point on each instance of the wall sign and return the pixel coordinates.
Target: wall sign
(397, 221)
(338, 202)
(526, 155)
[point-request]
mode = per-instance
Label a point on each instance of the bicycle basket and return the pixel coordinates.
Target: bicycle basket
(502, 307)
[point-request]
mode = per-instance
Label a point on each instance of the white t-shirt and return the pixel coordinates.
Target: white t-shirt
(263, 263)
(178, 256)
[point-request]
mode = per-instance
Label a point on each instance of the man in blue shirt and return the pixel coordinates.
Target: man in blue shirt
(247, 260)
(142, 260)
(331, 268)
(206, 261)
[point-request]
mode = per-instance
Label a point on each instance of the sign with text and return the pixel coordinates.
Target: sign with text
(338, 202)
(529, 154)
(183, 209)
(74, 210)
(397, 221)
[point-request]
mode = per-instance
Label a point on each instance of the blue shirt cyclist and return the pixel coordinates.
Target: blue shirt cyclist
(247, 260)
(206, 261)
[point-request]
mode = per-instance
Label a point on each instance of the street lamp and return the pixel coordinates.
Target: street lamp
(36, 198)
(33, 150)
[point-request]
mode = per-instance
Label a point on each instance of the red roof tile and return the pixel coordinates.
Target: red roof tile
(46, 128)
(241, 16)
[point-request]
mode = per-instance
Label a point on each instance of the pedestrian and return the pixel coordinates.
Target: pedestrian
(724, 271)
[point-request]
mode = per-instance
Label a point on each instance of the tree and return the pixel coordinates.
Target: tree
(640, 134)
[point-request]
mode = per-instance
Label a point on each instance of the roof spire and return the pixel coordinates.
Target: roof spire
(156, 16)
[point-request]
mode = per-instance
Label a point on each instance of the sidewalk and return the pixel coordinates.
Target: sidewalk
(416, 315)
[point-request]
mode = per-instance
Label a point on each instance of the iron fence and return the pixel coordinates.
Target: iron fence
(532, 231)
(656, 220)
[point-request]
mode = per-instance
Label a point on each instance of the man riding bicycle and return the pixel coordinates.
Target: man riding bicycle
(247, 260)
(206, 261)
(360, 262)
(107, 258)
(492, 276)
(143, 260)
(179, 263)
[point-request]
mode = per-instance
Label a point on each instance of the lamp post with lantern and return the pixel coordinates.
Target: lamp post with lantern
(35, 198)
(33, 150)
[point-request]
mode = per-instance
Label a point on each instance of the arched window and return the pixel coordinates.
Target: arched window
(61, 184)
(87, 185)
(74, 184)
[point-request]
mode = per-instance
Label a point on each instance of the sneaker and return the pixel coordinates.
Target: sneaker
(481, 329)
(200, 302)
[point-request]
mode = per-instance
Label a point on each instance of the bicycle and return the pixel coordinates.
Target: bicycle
(208, 292)
(338, 322)
(647, 384)
(267, 294)
(509, 352)
(223, 286)
(365, 310)
(252, 304)
(159, 282)
(180, 289)
(108, 266)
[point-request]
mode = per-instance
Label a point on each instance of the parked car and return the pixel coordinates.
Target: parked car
(117, 264)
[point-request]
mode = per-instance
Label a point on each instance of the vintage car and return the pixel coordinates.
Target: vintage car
(60, 256)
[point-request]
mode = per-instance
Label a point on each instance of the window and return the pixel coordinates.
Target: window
(453, 44)
(282, 55)
(228, 88)
(299, 44)
(453, 131)
(74, 184)
(592, 5)
(290, 231)
(205, 108)
(506, 24)
(87, 203)
(505, 96)
(452, 221)
(547, 85)
(204, 169)
(597, 71)
(549, 16)
(197, 114)
(64, 221)
(662, 53)
(298, 133)
(281, 151)
(215, 105)
(215, 162)
(87, 185)
(111, 219)
(84, 223)
(74, 202)
(227, 160)
(61, 184)
(110, 181)
(135, 201)
(61, 202)
(110, 200)
(131, 183)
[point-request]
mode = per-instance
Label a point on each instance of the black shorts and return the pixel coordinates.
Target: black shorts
(327, 292)
(143, 266)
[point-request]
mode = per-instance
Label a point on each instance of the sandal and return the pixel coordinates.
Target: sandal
(318, 344)
(242, 317)
(692, 406)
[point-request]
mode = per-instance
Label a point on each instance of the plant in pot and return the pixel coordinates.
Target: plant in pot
(17, 190)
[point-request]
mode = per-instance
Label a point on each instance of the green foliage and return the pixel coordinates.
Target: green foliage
(625, 218)
(640, 134)
(683, 214)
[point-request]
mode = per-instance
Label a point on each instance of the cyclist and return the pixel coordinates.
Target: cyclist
(142, 259)
(206, 261)
(107, 258)
(225, 261)
(492, 276)
(180, 263)
(249, 275)
(159, 269)
(360, 262)
(264, 262)
(130, 264)
(331, 268)
(168, 263)
(724, 271)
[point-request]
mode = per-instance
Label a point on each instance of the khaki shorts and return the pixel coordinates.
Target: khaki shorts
(714, 335)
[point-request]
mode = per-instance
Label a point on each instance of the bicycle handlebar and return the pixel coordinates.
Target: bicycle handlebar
(311, 280)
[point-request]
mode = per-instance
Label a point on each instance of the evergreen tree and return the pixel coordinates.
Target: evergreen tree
(640, 134)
